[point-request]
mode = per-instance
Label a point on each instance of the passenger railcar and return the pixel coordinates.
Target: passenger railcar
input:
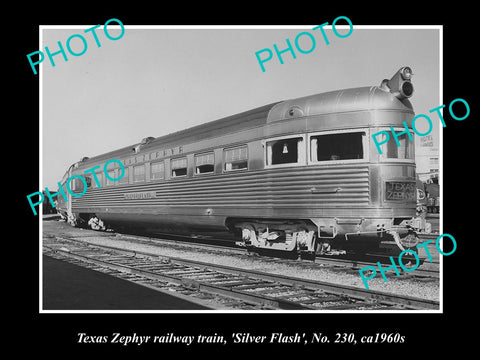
(297, 175)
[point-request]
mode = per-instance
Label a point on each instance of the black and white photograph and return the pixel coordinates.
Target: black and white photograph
(287, 184)
(276, 186)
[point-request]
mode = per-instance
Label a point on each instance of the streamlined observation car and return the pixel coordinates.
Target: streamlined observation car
(297, 175)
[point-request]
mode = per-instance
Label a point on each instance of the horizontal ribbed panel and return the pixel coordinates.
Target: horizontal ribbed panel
(306, 186)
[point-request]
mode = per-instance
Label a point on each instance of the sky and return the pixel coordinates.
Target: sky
(151, 82)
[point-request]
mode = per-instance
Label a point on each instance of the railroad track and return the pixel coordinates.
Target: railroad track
(355, 265)
(344, 262)
(247, 289)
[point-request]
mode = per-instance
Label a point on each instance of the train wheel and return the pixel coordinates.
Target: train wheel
(249, 236)
(97, 224)
(311, 253)
(322, 247)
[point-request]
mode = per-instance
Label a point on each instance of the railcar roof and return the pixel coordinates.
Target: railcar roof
(339, 101)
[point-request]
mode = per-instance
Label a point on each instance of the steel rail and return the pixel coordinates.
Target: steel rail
(332, 261)
(273, 303)
(370, 296)
(355, 264)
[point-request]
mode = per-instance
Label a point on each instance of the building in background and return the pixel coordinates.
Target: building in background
(427, 158)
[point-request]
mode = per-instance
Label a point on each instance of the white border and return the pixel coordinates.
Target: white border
(257, 27)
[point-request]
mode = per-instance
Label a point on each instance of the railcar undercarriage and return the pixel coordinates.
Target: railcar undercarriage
(305, 238)
(309, 239)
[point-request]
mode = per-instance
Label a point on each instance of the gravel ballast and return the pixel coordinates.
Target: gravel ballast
(403, 285)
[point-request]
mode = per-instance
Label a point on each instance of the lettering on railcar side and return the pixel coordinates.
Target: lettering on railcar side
(140, 195)
(400, 190)
(158, 154)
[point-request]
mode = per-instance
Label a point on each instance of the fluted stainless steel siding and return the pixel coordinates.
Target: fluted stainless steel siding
(269, 188)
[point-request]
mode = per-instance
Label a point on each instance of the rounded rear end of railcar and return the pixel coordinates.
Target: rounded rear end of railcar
(345, 193)
(390, 221)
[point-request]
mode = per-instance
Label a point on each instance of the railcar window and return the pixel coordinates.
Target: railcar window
(139, 173)
(179, 167)
(109, 182)
(100, 180)
(76, 185)
(331, 147)
(112, 173)
(204, 163)
(73, 184)
(236, 158)
(285, 151)
(124, 178)
(391, 150)
(88, 179)
(157, 170)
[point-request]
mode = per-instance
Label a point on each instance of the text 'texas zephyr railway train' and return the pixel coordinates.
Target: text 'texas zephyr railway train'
(299, 175)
